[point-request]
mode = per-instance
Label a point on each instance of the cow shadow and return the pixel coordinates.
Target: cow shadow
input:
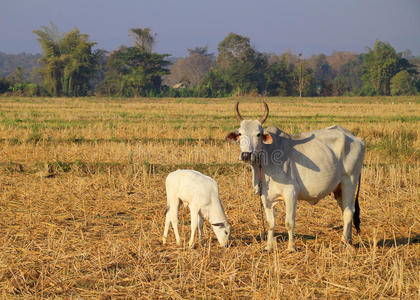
(299, 157)
(278, 156)
(283, 236)
(389, 243)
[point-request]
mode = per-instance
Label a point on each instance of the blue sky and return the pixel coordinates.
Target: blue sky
(302, 26)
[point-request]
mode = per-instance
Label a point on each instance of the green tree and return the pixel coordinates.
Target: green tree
(18, 76)
(340, 86)
(133, 72)
(215, 85)
(322, 70)
(242, 65)
(309, 83)
(234, 47)
(351, 74)
(80, 63)
(402, 84)
(68, 61)
(380, 64)
(278, 79)
(324, 88)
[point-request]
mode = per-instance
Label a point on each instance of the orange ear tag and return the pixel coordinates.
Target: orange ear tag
(267, 138)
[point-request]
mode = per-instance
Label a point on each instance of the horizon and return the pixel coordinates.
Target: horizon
(308, 27)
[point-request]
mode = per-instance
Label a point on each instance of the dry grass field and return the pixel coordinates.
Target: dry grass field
(82, 202)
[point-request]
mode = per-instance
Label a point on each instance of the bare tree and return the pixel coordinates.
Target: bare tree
(340, 58)
(191, 69)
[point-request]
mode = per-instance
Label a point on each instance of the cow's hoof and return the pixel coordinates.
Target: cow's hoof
(163, 241)
(348, 247)
(351, 249)
(291, 248)
(268, 248)
(346, 243)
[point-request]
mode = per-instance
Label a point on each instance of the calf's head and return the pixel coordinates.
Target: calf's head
(250, 135)
(222, 231)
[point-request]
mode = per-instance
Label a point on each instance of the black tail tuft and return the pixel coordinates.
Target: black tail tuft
(356, 215)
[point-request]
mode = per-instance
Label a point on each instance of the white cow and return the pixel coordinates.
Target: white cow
(201, 194)
(307, 166)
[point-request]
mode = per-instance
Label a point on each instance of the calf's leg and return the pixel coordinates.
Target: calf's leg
(200, 228)
(172, 217)
(194, 224)
(167, 223)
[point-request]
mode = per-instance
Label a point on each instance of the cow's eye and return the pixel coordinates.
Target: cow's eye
(259, 134)
(239, 134)
(226, 232)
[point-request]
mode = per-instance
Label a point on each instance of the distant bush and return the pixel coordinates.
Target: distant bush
(4, 85)
(26, 90)
(401, 84)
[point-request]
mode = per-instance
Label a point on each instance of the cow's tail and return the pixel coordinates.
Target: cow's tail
(356, 215)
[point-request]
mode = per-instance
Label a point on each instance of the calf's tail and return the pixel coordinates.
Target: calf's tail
(356, 215)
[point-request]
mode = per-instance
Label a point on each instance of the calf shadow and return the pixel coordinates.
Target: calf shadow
(279, 236)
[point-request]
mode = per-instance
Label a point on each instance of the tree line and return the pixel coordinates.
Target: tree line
(70, 66)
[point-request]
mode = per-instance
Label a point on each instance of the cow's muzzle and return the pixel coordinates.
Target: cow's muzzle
(246, 156)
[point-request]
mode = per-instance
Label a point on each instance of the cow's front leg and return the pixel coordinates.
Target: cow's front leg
(290, 199)
(271, 221)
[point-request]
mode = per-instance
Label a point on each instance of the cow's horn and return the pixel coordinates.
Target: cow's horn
(263, 118)
(238, 115)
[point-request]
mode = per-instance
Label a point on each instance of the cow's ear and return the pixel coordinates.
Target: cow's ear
(232, 136)
(267, 139)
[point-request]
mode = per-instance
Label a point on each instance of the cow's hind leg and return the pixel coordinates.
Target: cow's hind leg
(348, 188)
(338, 195)
(290, 199)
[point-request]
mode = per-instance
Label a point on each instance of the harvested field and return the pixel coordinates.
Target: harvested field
(82, 202)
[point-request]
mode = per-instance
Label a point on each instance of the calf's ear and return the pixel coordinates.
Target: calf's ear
(267, 139)
(232, 136)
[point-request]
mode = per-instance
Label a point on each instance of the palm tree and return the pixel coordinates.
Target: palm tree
(51, 71)
(143, 38)
(68, 61)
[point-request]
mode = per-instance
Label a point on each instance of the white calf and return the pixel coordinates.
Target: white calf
(201, 194)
